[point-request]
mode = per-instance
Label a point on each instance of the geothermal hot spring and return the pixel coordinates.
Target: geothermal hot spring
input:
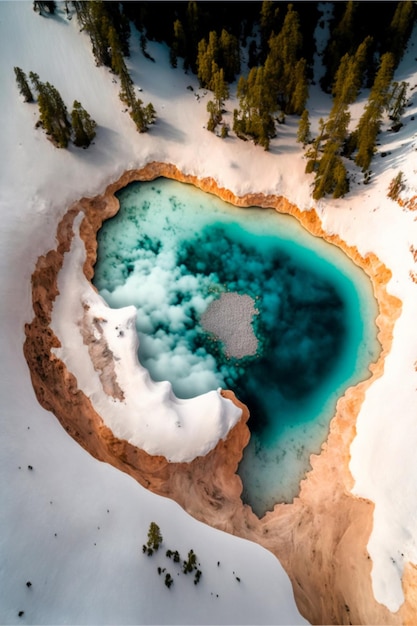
(243, 299)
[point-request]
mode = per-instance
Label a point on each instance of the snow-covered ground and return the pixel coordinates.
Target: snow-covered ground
(74, 527)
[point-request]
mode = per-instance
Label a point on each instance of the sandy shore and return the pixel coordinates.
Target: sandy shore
(321, 537)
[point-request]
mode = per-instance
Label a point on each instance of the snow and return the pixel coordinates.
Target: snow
(93, 570)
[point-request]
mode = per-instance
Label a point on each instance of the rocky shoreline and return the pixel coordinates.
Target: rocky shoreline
(321, 537)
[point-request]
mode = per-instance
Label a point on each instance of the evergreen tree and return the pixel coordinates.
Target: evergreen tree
(178, 48)
(35, 80)
(214, 118)
(120, 23)
(340, 43)
(220, 89)
(218, 52)
(340, 179)
(207, 59)
(53, 115)
(127, 91)
(118, 64)
(367, 132)
(331, 173)
(299, 95)
(193, 30)
(99, 19)
(143, 116)
(398, 101)
(283, 58)
(154, 536)
(370, 121)
(229, 56)
(312, 155)
(23, 85)
(400, 28)
(95, 21)
(84, 128)
(191, 563)
(254, 118)
(204, 64)
(303, 133)
(267, 24)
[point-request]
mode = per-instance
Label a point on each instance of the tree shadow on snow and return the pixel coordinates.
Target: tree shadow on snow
(167, 131)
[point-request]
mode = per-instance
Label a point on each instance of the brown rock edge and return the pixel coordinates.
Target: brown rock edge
(321, 537)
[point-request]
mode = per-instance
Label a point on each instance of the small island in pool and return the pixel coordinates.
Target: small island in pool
(230, 319)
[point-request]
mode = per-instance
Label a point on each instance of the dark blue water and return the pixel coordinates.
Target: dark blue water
(172, 249)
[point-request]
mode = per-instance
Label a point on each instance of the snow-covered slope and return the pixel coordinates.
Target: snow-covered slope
(71, 526)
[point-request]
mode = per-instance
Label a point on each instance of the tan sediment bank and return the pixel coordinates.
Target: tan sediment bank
(321, 537)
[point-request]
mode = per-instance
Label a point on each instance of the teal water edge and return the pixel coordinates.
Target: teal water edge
(172, 250)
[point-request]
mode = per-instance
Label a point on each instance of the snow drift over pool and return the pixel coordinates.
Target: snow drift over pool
(145, 413)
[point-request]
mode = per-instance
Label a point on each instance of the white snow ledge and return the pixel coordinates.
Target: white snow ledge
(146, 413)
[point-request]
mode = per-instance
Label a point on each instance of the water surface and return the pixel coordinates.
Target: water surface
(172, 250)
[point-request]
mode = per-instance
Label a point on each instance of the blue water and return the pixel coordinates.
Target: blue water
(172, 249)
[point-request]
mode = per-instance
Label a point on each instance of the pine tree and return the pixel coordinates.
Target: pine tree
(303, 133)
(118, 64)
(325, 178)
(154, 536)
(220, 89)
(340, 179)
(398, 101)
(84, 128)
(23, 85)
(96, 22)
(283, 57)
(127, 91)
(97, 18)
(267, 23)
(367, 132)
(191, 563)
(229, 57)
(400, 28)
(380, 92)
(35, 80)
(341, 42)
(142, 116)
(208, 58)
(193, 32)
(52, 112)
(178, 48)
(370, 121)
(257, 105)
(312, 155)
(204, 64)
(299, 95)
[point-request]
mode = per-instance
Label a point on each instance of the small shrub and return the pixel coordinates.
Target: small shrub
(396, 186)
(224, 131)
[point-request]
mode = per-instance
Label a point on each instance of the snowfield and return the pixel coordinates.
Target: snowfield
(73, 527)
